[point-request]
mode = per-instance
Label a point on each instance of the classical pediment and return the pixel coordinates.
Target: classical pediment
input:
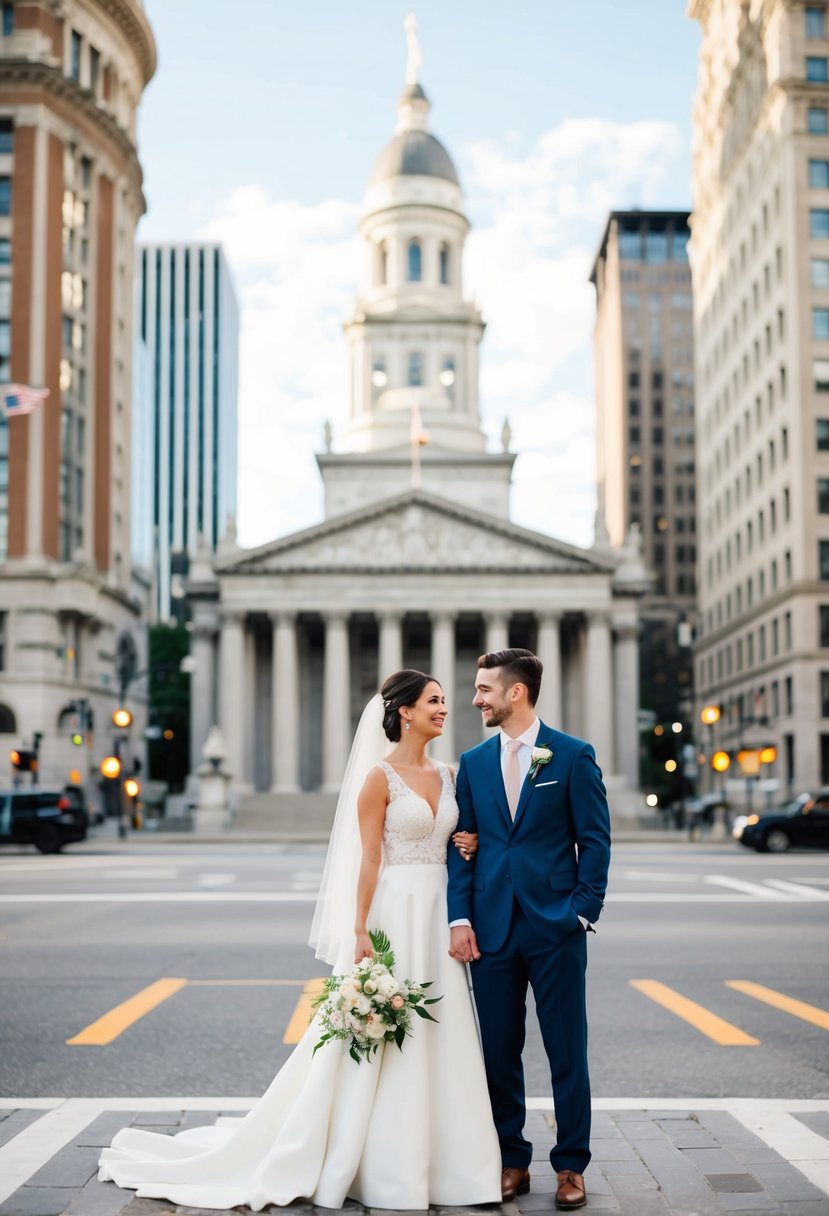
(418, 532)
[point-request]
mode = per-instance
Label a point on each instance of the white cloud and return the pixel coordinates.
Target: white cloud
(538, 219)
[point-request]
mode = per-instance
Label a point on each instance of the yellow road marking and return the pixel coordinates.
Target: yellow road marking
(697, 1015)
(246, 983)
(302, 1014)
(798, 1009)
(119, 1019)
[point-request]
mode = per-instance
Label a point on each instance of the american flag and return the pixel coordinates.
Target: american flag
(22, 399)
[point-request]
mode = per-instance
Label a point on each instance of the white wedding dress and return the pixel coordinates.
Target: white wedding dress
(407, 1129)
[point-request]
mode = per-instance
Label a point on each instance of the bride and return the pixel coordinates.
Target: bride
(406, 1129)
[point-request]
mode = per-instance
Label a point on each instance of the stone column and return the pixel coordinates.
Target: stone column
(549, 651)
(284, 705)
(232, 694)
(598, 688)
(390, 649)
(626, 703)
(202, 690)
(497, 631)
(443, 669)
(336, 702)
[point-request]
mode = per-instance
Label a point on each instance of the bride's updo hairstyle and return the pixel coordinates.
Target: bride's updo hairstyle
(399, 690)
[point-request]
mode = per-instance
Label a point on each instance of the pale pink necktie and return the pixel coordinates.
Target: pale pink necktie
(512, 775)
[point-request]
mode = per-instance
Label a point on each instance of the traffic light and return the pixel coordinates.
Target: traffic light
(111, 767)
(77, 739)
(23, 761)
(721, 762)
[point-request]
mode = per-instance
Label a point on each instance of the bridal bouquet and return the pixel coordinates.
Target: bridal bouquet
(369, 1006)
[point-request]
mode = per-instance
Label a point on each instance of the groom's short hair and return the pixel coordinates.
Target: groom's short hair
(518, 666)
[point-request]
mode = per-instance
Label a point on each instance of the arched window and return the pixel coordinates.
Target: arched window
(415, 268)
(444, 263)
(8, 722)
(382, 263)
(415, 369)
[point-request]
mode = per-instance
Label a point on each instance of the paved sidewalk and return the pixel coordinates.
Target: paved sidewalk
(701, 1160)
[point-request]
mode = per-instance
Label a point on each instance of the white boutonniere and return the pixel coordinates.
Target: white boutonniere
(539, 756)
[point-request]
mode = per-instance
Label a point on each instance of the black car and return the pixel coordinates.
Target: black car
(46, 818)
(803, 823)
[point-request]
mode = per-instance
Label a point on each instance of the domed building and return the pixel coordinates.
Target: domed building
(416, 562)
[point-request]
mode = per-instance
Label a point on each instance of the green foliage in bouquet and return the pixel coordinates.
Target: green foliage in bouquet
(370, 1006)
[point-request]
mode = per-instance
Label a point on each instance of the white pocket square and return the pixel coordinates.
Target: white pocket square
(541, 784)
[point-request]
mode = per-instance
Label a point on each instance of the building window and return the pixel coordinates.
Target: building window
(823, 560)
(379, 375)
(415, 261)
(817, 68)
(820, 375)
(656, 247)
(415, 369)
(5, 251)
(75, 56)
(5, 196)
(635, 435)
(8, 19)
(823, 434)
(824, 694)
(444, 264)
(824, 624)
(820, 324)
(815, 22)
(818, 174)
(819, 273)
(823, 495)
(818, 222)
(657, 436)
(6, 137)
(818, 120)
(630, 246)
(94, 69)
(447, 373)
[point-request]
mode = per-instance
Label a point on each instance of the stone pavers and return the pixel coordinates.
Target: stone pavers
(646, 1162)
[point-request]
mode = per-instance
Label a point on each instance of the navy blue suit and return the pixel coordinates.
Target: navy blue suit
(523, 894)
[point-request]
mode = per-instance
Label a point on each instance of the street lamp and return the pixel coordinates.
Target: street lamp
(710, 715)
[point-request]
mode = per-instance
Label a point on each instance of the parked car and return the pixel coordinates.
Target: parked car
(46, 818)
(801, 823)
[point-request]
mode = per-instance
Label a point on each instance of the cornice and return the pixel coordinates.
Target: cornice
(129, 16)
(52, 80)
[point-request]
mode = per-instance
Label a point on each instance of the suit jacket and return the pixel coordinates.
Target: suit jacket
(553, 858)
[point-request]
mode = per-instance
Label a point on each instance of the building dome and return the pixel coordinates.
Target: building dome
(414, 153)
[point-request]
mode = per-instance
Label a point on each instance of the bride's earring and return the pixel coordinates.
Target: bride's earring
(408, 726)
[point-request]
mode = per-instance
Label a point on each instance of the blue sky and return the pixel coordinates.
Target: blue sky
(261, 127)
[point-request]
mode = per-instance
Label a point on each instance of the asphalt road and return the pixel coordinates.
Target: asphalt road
(84, 932)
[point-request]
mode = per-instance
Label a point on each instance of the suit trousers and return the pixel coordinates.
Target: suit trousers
(556, 973)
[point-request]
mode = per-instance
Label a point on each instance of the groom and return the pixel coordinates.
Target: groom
(522, 910)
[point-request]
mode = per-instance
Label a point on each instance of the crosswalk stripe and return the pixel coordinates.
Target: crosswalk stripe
(302, 1013)
(102, 1031)
(798, 888)
(31, 1148)
(698, 1016)
(798, 1009)
(739, 884)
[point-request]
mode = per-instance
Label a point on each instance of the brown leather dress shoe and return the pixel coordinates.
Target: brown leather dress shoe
(571, 1192)
(514, 1181)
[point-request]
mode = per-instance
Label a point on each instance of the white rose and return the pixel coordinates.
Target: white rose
(387, 985)
(541, 754)
(348, 991)
(375, 1028)
(370, 987)
(362, 1005)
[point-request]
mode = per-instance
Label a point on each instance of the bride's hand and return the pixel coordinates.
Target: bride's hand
(362, 947)
(466, 843)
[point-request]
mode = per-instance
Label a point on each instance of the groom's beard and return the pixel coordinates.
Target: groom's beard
(497, 717)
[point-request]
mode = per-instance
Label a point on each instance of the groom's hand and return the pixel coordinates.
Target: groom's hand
(463, 944)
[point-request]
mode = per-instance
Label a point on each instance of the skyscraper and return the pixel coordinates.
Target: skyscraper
(760, 256)
(189, 319)
(644, 384)
(71, 79)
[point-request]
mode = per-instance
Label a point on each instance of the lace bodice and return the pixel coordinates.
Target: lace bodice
(412, 835)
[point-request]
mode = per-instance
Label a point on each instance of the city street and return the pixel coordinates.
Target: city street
(146, 970)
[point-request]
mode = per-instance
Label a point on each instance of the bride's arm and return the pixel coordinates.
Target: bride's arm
(371, 815)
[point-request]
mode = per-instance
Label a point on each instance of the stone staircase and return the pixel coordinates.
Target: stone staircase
(293, 816)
